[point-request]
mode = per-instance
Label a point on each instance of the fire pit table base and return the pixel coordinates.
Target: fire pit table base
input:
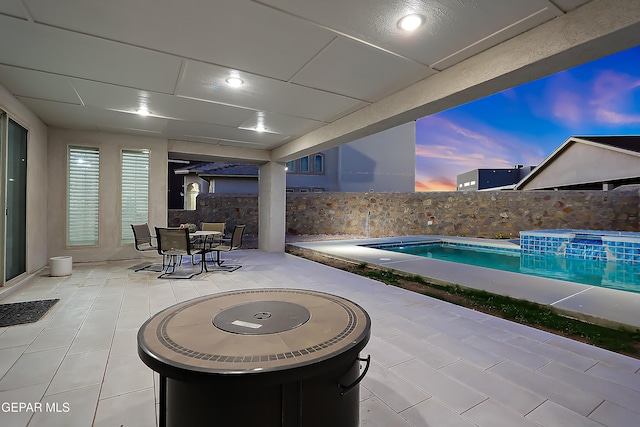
(312, 402)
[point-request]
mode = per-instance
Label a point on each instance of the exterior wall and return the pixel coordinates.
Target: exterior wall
(475, 214)
(467, 177)
(235, 185)
(583, 163)
(37, 185)
(327, 180)
(190, 183)
(489, 178)
(111, 146)
(385, 161)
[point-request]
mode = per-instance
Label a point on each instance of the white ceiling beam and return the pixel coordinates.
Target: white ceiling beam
(205, 152)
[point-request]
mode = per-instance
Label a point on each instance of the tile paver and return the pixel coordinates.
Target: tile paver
(432, 362)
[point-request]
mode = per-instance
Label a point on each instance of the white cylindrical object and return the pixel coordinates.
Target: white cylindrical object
(60, 265)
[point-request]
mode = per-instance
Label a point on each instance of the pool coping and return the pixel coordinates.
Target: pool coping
(607, 307)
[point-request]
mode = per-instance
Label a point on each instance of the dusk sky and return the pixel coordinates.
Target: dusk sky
(523, 125)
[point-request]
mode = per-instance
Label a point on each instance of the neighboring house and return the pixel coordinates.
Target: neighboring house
(588, 163)
(492, 179)
(380, 162)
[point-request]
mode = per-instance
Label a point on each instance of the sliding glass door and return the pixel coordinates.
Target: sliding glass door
(14, 180)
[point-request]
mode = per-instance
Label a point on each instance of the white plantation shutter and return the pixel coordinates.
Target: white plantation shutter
(135, 191)
(83, 196)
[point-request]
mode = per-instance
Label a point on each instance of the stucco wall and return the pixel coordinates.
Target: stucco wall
(111, 145)
(478, 214)
(385, 161)
(36, 178)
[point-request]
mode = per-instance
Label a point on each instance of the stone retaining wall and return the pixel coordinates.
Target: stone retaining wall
(499, 214)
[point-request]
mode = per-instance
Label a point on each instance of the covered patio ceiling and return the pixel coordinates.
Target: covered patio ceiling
(315, 74)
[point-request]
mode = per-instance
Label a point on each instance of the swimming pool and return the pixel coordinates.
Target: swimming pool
(625, 277)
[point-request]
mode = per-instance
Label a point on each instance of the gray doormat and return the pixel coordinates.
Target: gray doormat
(18, 313)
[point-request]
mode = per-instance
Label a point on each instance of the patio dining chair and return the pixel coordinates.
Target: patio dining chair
(234, 243)
(216, 226)
(143, 242)
(175, 243)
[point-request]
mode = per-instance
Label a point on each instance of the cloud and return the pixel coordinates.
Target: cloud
(612, 117)
(441, 138)
(612, 98)
(436, 184)
(606, 98)
(510, 94)
(445, 148)
(567, 107)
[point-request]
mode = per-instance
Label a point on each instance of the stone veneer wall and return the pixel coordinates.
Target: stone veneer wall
(494, 214)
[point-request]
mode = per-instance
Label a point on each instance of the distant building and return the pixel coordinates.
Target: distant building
(588, 163)
(385, 161)
(492, 179)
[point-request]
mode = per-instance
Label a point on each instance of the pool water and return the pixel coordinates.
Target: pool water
(625, 277)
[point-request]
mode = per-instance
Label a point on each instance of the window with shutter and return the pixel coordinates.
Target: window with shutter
(135, 191)
(83, 187)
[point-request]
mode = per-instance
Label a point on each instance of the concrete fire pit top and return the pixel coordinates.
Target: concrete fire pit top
(253, 331)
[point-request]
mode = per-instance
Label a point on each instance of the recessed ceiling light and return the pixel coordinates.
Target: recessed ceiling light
(234, 81)
(411, 22)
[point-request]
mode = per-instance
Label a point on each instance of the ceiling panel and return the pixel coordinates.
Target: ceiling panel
(13, 8)
(450, 25)
(360, 71)
(485, 43)
(206, 81)
(158, 104)
(239, 34)
(50, 49)
(279, 123)
(567, 5)
(191, 131)
(36, 84)
(68, 116)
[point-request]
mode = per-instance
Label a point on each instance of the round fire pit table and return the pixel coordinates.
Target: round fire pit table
(270, 357)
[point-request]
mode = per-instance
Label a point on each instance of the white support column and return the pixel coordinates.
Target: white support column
(272, 180)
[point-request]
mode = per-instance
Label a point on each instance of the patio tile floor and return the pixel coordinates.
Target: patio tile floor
(433, 363)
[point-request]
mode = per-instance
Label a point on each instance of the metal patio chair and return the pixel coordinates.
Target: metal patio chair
(234, 243)
(175, 243)
(143, 242)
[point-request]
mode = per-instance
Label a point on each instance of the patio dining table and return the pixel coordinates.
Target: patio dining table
(206, 238)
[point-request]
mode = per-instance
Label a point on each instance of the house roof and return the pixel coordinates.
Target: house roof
(628, 144)
(220, 169)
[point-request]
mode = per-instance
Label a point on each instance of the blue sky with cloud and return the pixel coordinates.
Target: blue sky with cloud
(523, 125)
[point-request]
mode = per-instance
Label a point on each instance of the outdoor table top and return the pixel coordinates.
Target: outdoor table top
(253, 331)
